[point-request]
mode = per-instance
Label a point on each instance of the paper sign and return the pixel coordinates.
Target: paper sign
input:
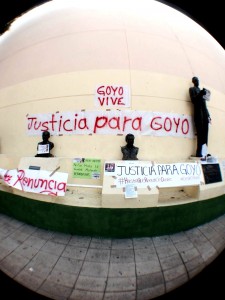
(86, 168)
(43, 149)
(130, 191)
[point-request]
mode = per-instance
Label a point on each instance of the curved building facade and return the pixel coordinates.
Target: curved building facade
(90, 72)
(60, 58)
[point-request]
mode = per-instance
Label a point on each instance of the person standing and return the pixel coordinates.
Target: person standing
(201, 114)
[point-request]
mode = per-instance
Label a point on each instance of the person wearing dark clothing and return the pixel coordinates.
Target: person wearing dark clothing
(129, 151)
(201, 114)
(44, 147)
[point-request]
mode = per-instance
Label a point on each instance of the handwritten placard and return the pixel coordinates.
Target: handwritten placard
(86, 168)
(144, 174)
(112, 95)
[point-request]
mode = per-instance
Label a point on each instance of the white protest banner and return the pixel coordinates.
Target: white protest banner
(112, 122)
(146, 174)
(36, 181)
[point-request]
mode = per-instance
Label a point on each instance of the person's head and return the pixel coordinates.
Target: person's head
(129, 139)
(195, 81)
(45, 136)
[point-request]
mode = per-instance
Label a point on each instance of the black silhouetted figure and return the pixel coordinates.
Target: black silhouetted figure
(129, 151)
(45, 142)
(201, 115)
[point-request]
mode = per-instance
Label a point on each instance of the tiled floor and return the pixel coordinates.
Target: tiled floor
(63, 266)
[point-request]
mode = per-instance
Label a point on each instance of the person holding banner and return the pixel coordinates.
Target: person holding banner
(129, 151)
(201, 115)
(44, 147)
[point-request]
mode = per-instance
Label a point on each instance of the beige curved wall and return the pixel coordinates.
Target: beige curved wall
(53, 60)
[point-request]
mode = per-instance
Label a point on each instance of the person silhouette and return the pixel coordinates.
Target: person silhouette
(129, 150)
(201, 115)
(44, 147)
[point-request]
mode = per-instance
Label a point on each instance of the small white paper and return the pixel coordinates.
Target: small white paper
(130, 191)
(43, 149)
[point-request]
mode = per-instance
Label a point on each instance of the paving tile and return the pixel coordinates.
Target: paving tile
(95, 269)
(148, 267)
(184, 245)
(44, 234)
(101, 243)
(178, 281)
(166, 250)
(195, 265)
(115, 284)
(35, 242)
(13, 264)
(69, 265)
(4, 252)
(120, 296)
(62, 278)
(122, 244)
(26, 251)
(142, 255)
(10, 244)
(171, 262)
(55, 290)
(90, 283)
(122, 256)
(98, 255)
(174, 273)
(75, 252)
(30, 279)
(80, 241)
(189, 254)
(144, 243)
(161, 241)
(61, 238)
(122, 270)
(150, 280)
(151, 292)
(85, 295)
(28, 229)
(53, 247)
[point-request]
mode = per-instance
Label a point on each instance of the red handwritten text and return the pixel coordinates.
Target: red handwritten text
(111, 122)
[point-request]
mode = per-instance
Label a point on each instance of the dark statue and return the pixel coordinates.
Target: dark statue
(45, 146)
(129, 151)
(201, 114)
